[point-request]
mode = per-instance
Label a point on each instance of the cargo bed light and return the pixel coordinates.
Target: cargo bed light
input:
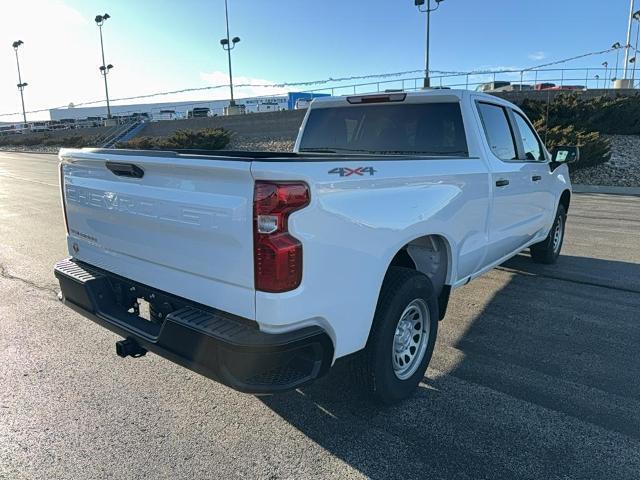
(390, 97)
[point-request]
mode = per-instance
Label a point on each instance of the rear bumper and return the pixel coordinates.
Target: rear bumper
(218, 345)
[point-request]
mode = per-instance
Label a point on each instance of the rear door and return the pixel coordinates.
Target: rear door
(541, 178)
(515, 216)
(182, 224)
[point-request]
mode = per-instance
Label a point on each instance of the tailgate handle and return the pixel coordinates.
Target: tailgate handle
(125, 169)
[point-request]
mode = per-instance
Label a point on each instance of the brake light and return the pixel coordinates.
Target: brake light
(392, 97)
(277, 254)
(64, 203)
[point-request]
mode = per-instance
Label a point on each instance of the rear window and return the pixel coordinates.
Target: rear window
(424, 128)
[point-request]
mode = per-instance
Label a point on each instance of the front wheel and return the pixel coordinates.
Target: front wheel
(402, 337)
(548, 250)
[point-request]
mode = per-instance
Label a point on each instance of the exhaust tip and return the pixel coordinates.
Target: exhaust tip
(129, 348)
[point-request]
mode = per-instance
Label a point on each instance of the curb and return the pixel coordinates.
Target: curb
(609, 190)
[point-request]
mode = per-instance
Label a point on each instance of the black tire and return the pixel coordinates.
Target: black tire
(375, 365)
(548, 250)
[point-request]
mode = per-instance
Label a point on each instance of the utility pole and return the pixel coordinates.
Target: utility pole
(21, 84)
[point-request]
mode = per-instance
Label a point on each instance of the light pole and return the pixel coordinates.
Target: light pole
(617, 46)
(606, 72)
(228, 45)
(21, 84)
(628, 44)
(636, 16)
(104, 69)
(427, 10)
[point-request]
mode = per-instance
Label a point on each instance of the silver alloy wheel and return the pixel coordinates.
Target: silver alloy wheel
(558, 232)
(411, 339)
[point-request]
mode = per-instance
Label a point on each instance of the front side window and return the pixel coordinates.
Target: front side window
(532, 149)
(433, 129)
(497, 130)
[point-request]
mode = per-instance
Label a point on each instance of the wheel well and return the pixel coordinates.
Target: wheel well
(429, 255)
(565, 199)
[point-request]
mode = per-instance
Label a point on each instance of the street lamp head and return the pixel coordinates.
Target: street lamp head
(605, 64)
(616, 45)
(632, 60)
(109, 67)
(100, 19)
(17, 43)
(235, 40)
(224, 42)
(636, 15)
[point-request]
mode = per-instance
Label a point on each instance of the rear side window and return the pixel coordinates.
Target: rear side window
(425, 128)
(532, 148)
(498, 131)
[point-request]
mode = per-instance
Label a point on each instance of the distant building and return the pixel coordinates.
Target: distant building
(181, 109)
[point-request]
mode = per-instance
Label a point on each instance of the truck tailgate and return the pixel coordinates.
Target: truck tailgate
(184, 226)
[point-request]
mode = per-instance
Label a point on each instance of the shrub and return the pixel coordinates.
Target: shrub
(205, 139)
(30, 140)
(605, 114)
(72, 141)
(594, 149)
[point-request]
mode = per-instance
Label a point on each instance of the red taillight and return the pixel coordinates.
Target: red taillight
(64, 203)
(277, 254)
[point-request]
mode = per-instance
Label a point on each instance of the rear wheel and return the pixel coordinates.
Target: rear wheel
(402, 337)
(548, 250)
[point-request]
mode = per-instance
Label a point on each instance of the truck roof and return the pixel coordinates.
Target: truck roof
(411, 97)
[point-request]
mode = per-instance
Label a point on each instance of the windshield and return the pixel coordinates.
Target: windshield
(425, 128)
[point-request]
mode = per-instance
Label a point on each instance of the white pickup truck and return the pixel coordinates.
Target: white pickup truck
(261, 269)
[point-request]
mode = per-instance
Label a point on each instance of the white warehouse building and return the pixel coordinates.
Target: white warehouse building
(181, 109)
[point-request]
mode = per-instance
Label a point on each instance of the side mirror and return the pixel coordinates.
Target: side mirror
(565, 154)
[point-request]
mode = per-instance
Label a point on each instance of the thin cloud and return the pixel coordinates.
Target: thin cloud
(222, 78)
(537, 56)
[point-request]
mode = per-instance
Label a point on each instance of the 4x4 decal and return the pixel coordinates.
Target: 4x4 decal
(347, 172)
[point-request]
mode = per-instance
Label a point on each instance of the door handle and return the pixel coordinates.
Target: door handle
(125, 169)
(502, 183)
(536, 178)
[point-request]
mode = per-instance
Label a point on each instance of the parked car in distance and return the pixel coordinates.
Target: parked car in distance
(199, 112)
(69, 122)
(491, 86)
(262, 269)
(544, 86)
(164, 115)
(514, 87)
(567, 87)
(39, 127)
(302, 103)
(8, 130)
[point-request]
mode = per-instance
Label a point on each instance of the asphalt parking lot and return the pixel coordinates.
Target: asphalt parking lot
(536, 375)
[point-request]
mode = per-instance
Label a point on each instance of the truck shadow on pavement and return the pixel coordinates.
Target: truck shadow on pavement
(535, 374)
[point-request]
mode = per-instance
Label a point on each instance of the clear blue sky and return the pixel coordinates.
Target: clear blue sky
(165, 45)
(299, 39)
